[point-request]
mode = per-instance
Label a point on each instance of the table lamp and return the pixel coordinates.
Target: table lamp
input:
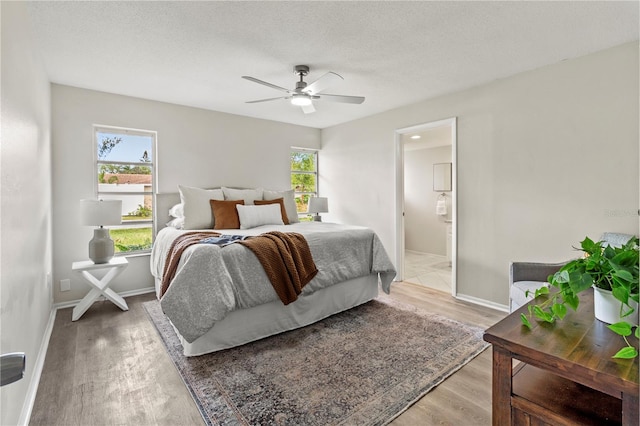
(101, 213)
(318, 205)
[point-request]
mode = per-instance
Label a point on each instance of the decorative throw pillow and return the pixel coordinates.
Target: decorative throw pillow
(225, 214)
(177, 223)
(197, 210)
(177, 210)
(276, 201)
(289, 202)
(252, 216)
(248, 195)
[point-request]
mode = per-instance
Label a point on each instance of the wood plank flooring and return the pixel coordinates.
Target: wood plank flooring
(110, 367)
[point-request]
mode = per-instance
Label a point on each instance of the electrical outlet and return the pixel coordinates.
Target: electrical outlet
(65, 285)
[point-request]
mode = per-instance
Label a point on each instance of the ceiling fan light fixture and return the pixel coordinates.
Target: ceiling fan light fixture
(300, 100)
(304, 94)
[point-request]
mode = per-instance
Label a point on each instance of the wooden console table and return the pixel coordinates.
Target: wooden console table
(567, 375)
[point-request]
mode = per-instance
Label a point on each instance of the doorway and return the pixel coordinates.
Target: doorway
(426, 204)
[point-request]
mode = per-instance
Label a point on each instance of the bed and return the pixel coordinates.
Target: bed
(221, 297)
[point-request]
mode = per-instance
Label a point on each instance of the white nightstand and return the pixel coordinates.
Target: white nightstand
(100, 287)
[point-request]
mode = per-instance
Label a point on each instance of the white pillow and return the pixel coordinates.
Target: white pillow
(177, 223)
(289, 202)
(252, 216)
(248, 195)
(177, 210)
(197, 210)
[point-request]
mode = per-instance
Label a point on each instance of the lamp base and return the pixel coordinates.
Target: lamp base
(101, 247)
(317, 218)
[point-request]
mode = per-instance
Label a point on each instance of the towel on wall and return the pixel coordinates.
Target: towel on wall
(441, 206)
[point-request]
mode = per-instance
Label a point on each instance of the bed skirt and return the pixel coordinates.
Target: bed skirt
(246, 325)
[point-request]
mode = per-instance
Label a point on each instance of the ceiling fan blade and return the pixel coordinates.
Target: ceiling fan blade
(308, 109)
(273, 86)
(322, 83)
(266, 100)
(341, 98)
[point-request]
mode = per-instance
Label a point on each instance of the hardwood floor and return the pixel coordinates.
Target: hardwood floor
(110, 367)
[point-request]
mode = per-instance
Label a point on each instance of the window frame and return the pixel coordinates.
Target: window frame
(99, 128)
(292, 172)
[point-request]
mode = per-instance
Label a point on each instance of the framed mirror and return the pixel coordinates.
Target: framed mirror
(442, 177)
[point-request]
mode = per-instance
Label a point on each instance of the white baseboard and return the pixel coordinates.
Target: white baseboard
(30, 398)
(125, 294)
(138, 292)
(482, 302)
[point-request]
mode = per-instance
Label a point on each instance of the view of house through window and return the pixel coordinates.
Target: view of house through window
(125, 171)
(304, 178)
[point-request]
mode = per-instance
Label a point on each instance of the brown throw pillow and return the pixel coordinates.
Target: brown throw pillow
(225, 215)
(280, 201)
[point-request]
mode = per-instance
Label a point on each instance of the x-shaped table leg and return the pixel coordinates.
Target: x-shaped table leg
(100, 288)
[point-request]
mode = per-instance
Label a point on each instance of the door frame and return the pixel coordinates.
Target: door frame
(400, 240)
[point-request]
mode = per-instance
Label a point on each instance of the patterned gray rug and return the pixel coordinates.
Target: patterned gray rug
(364, 366)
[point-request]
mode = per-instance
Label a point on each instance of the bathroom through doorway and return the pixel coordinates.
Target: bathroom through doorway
(427, 219)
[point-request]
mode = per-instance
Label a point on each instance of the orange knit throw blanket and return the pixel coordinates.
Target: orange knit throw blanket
(287, 261)
(179, 245)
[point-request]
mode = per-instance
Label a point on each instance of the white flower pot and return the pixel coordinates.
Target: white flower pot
(607, 308)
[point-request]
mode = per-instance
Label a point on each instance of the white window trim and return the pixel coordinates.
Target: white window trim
(291, 172)
(97, 128)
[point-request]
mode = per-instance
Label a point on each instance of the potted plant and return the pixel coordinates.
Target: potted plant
(607, 269)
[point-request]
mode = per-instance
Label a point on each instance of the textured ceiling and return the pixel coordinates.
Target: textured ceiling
(393, 53)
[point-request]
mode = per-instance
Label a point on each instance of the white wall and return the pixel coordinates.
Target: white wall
(25, 225)
(425, 231)
(544, 158)
(196, 147)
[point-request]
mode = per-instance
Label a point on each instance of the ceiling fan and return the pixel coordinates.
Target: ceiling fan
(304, 93)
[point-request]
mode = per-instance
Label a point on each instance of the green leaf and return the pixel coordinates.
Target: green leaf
(542, 290)
(622, 328)
(580, 281)
(559, 310)
(637, 333)
(627, 352)
(572, 300)
(588, 245)
(625, 275)
(609, 252)
(627, 313)
(542, 315)
(525, 321)
(621, 293)
(561, 276)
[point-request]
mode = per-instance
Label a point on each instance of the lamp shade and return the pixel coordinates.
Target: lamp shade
(100, 212)
(318, 205)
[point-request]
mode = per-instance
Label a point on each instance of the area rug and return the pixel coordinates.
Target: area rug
(364, 366)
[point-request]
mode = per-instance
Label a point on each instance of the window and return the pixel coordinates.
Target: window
(304, 178)
(125, 171)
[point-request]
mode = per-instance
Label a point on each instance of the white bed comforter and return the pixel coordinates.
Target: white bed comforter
(211, 281)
